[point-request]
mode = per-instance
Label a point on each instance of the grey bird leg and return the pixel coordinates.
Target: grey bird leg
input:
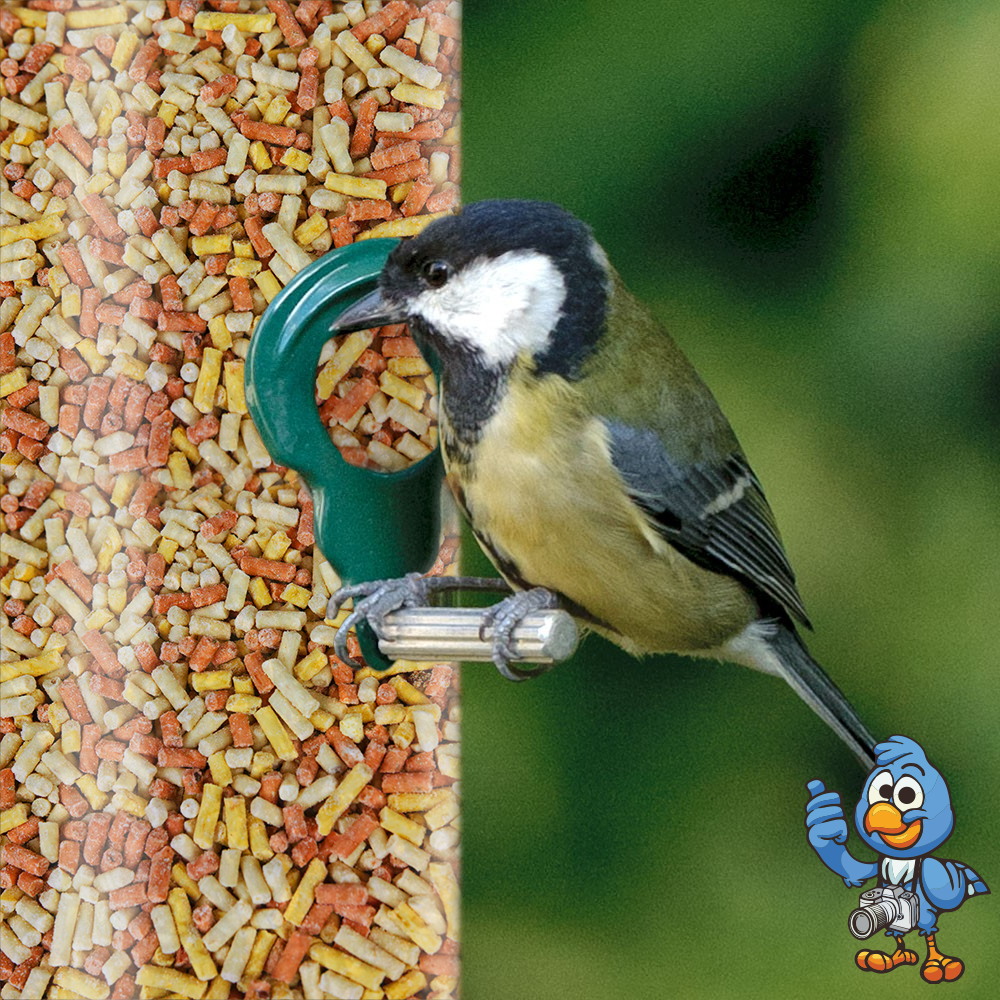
(503, 617)
(380, 597)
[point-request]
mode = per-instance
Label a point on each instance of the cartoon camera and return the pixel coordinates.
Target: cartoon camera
(887, 907)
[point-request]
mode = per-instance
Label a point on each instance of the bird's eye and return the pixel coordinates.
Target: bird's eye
(908, 794)
(880, 789)
(436, 273)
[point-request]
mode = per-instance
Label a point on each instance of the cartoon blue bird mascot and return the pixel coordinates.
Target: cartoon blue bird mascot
(904, 814)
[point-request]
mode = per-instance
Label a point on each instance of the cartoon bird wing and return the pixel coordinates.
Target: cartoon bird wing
(826, 828)
(947, 884)
(714, 512)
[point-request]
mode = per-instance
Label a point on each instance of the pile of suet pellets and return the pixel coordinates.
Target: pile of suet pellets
(197, 798)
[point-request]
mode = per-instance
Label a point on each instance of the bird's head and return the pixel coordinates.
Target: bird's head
(905, 809)
(499, 281)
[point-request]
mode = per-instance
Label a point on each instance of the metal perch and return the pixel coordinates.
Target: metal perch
(453, 634)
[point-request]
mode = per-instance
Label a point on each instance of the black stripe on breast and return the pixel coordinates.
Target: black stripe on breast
(509, 569)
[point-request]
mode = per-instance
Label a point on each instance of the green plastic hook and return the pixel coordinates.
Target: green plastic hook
(369, 525)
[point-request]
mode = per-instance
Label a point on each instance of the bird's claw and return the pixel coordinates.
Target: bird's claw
(378, 598)
(503, 618)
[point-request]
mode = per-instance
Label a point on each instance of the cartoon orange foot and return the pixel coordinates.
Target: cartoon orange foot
(879, 961)
(940, 968)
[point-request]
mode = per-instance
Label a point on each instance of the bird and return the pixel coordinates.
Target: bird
(594, 465)
(903, 814)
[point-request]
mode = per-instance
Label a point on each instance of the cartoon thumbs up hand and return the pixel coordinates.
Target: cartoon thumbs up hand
(827, 830)
(825, 822)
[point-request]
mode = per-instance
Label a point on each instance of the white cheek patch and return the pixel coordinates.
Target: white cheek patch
(502, 306)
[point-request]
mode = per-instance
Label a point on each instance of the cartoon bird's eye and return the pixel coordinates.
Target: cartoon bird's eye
(880, 789)
(436, 273)
(908, 794)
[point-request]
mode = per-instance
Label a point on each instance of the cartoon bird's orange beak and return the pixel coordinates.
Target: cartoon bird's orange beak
(886, 820)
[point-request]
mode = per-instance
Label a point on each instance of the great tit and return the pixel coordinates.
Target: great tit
(592, 462)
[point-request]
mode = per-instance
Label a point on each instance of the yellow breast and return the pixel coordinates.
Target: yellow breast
(541, 491)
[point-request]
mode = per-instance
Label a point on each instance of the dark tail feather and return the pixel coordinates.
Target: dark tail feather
(814, 687)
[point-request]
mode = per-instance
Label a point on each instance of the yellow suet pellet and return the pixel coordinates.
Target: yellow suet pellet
(208, 380)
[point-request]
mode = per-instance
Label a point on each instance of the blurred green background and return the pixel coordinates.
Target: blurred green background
(806, 191)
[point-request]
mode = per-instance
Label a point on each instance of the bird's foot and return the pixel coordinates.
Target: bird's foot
(943, 969)
(503, 618)
(940, 968)
(375, 599)
(879, 961)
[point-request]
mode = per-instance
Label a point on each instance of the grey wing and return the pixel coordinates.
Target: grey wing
(715, 513)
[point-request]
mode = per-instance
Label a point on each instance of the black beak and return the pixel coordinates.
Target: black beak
(371, 311)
